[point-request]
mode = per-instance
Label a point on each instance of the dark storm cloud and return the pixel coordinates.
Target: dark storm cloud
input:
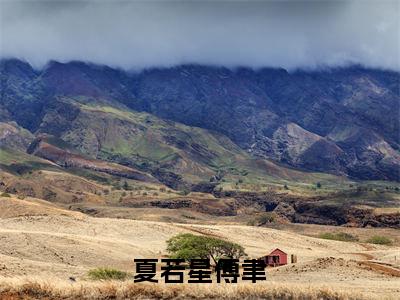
(135, 34)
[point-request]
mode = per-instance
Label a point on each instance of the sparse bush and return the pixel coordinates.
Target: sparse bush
(188, 217)
(338, 236)
(155, 194)
(106, 191)
(144, 194)
(5, 195)
(126, 186)
(251, 222)
(163, 189)
(107, 274)
(380, 240)
(261, 219)
(266, 217)
(123, 194)
(48, 194)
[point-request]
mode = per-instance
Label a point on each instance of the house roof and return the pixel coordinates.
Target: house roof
(277, 249)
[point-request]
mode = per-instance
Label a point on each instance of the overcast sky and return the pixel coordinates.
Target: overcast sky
(135, 34)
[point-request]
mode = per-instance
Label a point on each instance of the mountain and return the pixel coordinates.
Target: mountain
(202, 120)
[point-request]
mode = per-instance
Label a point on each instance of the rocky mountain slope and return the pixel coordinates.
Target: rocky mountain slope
(341, 121)
(140, 165)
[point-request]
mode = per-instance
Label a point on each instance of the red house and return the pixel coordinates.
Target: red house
(275, 258)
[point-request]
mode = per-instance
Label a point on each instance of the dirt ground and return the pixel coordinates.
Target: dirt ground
(38, 239)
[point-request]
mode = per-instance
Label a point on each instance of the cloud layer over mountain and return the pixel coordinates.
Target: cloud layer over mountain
(136, 34)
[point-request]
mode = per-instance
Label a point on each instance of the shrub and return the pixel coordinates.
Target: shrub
(126, 186)
(188, 217)
(338, 236)
(261, 219)
(380, 240)
(5, 195)
(251, 222)
(107, 274)
(266, 217)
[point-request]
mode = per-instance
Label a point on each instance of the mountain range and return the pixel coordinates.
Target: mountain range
(193, 123)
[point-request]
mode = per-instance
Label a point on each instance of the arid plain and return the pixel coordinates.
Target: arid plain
(40, 241)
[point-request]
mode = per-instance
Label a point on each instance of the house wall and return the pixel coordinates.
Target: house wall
(268, 259)
(282, 256)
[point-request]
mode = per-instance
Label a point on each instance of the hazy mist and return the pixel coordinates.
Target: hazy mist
(135, 34)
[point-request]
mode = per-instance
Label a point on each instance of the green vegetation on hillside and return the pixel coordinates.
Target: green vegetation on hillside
(20, 163)
(107, 274)
(379, 240)
(338, 236)
(196, 155)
